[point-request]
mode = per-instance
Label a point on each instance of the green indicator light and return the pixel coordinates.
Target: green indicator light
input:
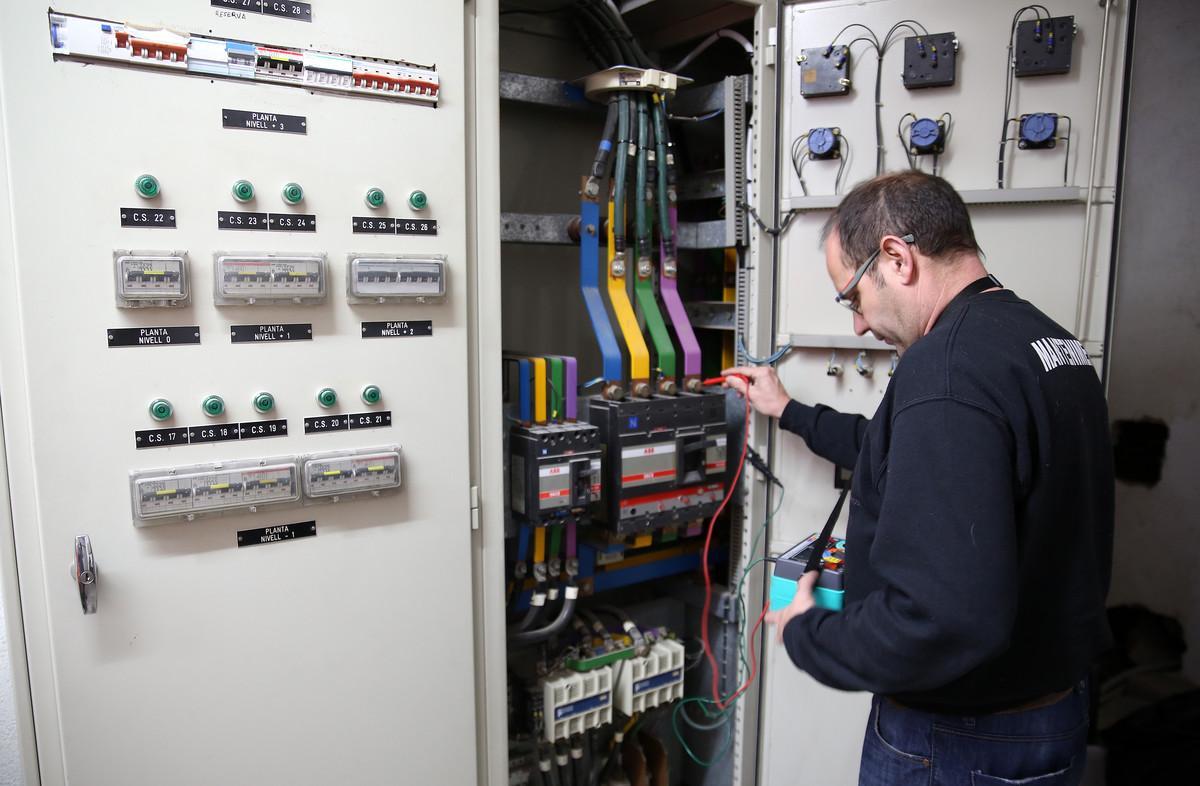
(243, 191)
(371, 394)
(161, 409)
(293, 194)
(213, 406)
(375, 197)
(264, 402)
(147, 186)
(327, 397)
(418, 200)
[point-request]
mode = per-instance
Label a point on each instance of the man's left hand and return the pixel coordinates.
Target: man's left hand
(800, 604)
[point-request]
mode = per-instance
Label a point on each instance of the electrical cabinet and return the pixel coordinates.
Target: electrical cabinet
(184, 190)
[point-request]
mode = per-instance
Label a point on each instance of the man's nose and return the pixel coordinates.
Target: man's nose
(860, 325)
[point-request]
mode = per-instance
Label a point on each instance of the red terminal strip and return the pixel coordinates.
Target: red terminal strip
(151, 50)
(393, 83)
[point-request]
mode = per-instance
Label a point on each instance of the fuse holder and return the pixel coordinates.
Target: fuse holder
(375, 198)
(418, 200)
(327, 397)
(371, 394)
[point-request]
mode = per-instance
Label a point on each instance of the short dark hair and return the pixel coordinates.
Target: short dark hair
(899, 203)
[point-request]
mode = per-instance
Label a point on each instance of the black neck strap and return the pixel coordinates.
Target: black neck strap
(814, 559)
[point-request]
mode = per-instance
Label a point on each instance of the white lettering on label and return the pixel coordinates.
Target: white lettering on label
(1056, 352)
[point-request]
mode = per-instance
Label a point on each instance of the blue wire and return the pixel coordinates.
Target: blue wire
(525, 409)
(769, 360)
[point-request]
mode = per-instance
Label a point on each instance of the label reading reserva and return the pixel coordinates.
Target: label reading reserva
(286, 9)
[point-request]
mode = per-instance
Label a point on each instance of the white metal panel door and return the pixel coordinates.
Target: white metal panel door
(341, 658)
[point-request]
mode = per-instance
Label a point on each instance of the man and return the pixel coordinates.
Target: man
(980, 525)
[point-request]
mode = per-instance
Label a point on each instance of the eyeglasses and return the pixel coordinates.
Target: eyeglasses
(842, 298)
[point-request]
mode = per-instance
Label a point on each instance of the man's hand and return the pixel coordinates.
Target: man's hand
(766, 392)
(800, 604)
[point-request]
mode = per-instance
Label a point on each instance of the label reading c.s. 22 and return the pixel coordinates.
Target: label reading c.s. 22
(153, 217)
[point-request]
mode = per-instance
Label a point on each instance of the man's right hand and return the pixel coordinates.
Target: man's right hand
(766, 392)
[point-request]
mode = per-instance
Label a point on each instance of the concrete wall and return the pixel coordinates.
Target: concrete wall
(1154, 372)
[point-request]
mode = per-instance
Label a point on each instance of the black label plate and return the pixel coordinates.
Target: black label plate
(370, 420)
(261, 429)
(399, 329)
(276, 534)
(249, 6)
(153, 336)
(264, 121)
(372, 225)
(416, 226)
(235, 219)
(160, 437)
(292, 222)
(213, 432)
(153, 217)
(323, 423)
(288, 9)
(255, 334)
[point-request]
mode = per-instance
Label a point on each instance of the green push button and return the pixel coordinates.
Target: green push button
(418, 200)
(243, 191)
(161, 409)
(375, 197)
(327, 397)
(213, 406)
(264, 402)
(371, 394)
(147, 186)
(293, 194)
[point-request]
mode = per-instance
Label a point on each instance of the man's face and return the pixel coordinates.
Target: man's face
(876, 308)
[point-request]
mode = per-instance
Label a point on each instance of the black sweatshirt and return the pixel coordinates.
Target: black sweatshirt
(980, 538)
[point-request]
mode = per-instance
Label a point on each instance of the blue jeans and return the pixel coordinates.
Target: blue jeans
(1046, 746)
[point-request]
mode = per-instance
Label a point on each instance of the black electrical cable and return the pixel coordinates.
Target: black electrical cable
(642, 225)
(640, 57)
(552, 776)
(665, 191)
(534, 611)
(589, 46)
(578, 768)
(605, 38)
(640, 644)
(536, 777)
(560, 622)
(1010, 68)
(621, 173)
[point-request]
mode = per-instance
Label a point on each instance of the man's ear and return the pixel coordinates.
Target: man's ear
(898, 260)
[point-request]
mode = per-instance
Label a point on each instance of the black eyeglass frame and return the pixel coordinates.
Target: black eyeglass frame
(842, 298)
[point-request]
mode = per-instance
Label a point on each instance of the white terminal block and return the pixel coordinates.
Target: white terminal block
(268, 279)
(331, 476)
(656, 678)
(374, 278)
(147, 279)
(574, 702)
(216, 487)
